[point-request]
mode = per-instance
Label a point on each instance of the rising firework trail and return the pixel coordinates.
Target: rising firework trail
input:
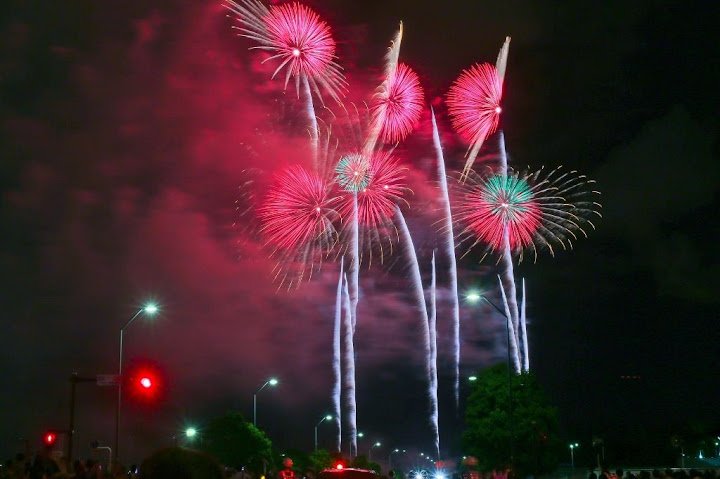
(449, 241)
(298, 218)
(391, 65)
(350, 402)
(523, 331)
(300, 42)
(432, 326)
(512, 332)
(416, 280)
(337, 372)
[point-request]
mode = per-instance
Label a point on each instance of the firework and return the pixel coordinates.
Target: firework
(432, 326)
(474, 106)
(450, 252)
(298, 218)
(523, 331)
(350, 401)
(353, 172)
(399, 104)
(337, 372)
(512, 331)
(297, 39)
(530, 210)
(416, 280)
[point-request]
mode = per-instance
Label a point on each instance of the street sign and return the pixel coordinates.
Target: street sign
(107, 379)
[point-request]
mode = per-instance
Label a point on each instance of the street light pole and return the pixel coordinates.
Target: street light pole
(572, 454)
(390, 456)
(327, 417)
(271, 382)
(377, 444)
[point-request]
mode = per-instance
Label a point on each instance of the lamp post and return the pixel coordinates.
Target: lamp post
(271, 382)
(377, 444)
(474, 297)
(149, 309)
(572, 454)
(326, 417)
(390, 456)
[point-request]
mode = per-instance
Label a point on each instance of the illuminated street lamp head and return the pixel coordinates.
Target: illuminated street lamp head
(361, 434)
(377, 444)
(472, 378)
(272, 381)
(190, 432)
(328, 417)
(150, 308)
(473, 296)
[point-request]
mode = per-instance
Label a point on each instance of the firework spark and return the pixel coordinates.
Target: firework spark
(474, 106)
(532, 210)
(298, 218)
(297, 39)
(399, 104)
(353, 172)
(449, 240)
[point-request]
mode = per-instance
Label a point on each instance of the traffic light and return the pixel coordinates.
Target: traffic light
(49, 438)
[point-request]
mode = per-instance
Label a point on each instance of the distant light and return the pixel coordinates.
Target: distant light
(146, 382)
(473, 296)
(328, 417)
(150, 308)
(396, 450)
(472, 378)
(272, 382)
(190, 432)
(439, 475)
(418, 475)
(377, 444)
(339, 466)
(361, 434)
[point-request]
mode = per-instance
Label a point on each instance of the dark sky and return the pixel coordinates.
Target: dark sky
(126, 130)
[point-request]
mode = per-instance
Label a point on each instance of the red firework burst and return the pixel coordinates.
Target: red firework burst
(299, 212)
(474, 103)
(385, 188)
(399, 106)
(296, 37)
(498, 204)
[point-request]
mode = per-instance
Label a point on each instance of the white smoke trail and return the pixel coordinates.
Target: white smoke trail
(350, 403)
(523, 327)
(432, 326)
(507, 267)
(310, 110)
(337, 372)
(416, 279)
(354, 262)
(450, 251)
(378, 116)
(512, 336)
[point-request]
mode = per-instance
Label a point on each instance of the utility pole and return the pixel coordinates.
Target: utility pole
(74, 379)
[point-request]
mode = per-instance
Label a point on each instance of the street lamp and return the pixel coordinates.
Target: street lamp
(472, 379)
(149, 309)
(572, 454)
(391, 454)
(377, 444)
(190, 433)
(327, 417)
(272, 382)
(473, 297)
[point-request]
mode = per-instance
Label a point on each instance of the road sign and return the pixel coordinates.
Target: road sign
(107, 379)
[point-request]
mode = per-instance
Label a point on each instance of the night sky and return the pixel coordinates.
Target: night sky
(127, 127)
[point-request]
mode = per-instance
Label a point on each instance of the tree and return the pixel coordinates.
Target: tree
(362, 462)
(527, 426)
(237, 443)
(320, 459)
(177, 463)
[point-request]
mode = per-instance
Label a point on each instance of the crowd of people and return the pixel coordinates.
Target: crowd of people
(656, 474)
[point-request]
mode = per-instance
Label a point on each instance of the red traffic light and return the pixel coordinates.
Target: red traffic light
(49, 438)
(146, 382)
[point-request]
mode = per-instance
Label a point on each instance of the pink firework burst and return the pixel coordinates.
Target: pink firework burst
(399, 105)
(534, 209)
(296, 38)
(299, 213)
(385, 188)
(474, 103)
